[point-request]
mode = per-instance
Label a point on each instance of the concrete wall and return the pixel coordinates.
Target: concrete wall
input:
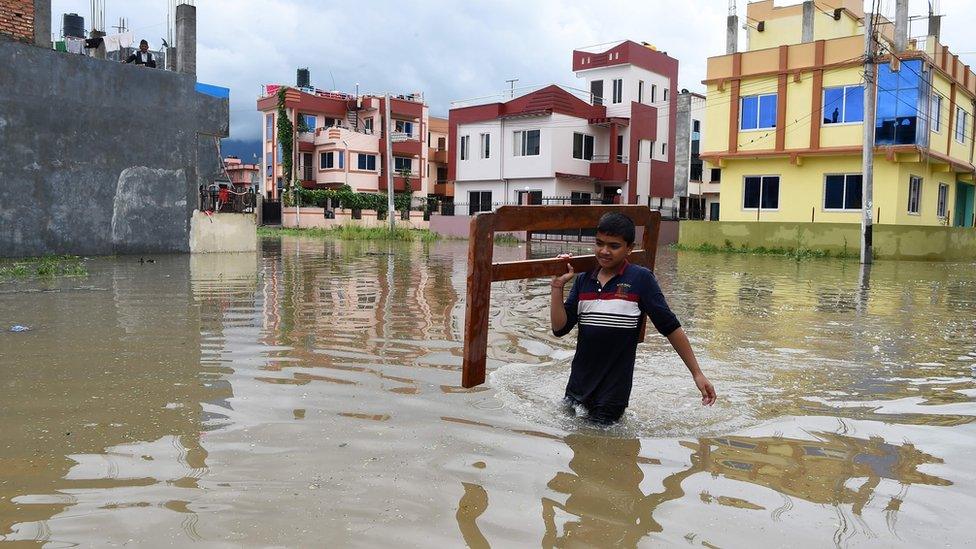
(100, 158)
(223, 232)
(890, 241)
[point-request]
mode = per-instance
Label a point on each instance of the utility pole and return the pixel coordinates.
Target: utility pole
(387, 130)
(867, 152)
(511, 84)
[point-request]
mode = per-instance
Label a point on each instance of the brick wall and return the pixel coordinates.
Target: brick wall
(17, 19)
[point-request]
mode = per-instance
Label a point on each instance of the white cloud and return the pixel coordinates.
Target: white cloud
(449, 50)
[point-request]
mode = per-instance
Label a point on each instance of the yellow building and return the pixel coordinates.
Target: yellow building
(784, 121)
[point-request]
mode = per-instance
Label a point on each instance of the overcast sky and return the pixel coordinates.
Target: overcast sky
(450, 50)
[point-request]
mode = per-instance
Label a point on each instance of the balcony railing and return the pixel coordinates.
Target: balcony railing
(605, 158)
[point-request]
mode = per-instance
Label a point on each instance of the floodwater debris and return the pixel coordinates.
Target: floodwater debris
(16, 328)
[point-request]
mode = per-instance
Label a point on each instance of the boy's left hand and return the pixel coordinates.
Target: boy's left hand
(706, 388)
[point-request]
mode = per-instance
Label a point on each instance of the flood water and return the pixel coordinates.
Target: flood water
(309, 396)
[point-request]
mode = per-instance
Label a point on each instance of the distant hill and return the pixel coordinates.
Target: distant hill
(246, 150)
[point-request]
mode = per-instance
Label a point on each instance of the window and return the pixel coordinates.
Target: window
(696, 171)
(403, 126)
(695, 138)
(618, 90)
(402, 164)
(651, 151)
(943, 200)
(269, 127)
(620, 148)
(758, 112)
(961, 122)
(580, 198)
(327, 160)
(596, 91)
(842, 192)
(843, 105)
(330, 123)
(914, 194)
(582, 146)
(368, 125)
(428, 138)
(279, 158)
(464, 146)
(665, 94)
(366, 162)
(653, 93)
(716, 175)
(936, 114)
(526, 143)
(479, 201)
(309, 120)
(268, 163)
(761, 192)
(664, 149)
(485, 145)
(898, 104)
(640, 91)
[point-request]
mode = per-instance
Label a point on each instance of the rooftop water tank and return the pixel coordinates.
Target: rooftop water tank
(73, 25)
(304, 79)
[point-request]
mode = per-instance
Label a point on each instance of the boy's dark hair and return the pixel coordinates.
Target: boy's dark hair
(617, 224)
(141, 42)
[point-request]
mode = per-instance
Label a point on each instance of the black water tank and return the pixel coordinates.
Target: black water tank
(304, 79)
(73, 25)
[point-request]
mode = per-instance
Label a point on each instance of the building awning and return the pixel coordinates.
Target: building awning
(575, 177)
(609, 121)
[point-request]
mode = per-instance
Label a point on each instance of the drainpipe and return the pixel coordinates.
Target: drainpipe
(808, 13)
(901, 25)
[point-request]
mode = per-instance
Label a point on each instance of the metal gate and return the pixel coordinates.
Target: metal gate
(271, 212)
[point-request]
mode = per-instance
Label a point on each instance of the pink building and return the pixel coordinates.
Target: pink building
(241, 174)
(612, 140)
(345, 144)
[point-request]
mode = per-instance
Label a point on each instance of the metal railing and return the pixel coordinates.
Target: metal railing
(605, 158)
(226, 200)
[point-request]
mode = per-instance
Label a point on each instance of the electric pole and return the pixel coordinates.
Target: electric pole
(387, 130)
(867, 153)
(511, 84)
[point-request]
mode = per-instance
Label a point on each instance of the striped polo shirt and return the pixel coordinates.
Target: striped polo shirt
(610, 318)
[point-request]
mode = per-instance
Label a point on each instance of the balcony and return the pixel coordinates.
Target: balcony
(603, 168)
(411, 147)
(400, 183)
(437, 155)
(443, 188)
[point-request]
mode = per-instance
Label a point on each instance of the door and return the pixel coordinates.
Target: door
(964, 205)
(307, 167)
(713, 212)
(529, 198)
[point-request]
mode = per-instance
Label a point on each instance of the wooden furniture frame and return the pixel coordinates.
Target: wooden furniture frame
(482, 272)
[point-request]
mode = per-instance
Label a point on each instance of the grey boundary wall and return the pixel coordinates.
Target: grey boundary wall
(100, 158)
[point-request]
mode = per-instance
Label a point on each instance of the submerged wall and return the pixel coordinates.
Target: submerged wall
(100, 158)
(890, 241)
(223, 232)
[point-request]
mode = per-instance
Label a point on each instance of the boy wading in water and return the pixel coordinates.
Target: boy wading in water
(609, 304)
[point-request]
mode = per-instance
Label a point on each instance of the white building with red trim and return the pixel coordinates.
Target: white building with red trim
(613, 141)
(345, 144)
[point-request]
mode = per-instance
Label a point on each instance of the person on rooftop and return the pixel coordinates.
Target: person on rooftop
(143, 56)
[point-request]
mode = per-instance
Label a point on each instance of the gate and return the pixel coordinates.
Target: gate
(271, 212)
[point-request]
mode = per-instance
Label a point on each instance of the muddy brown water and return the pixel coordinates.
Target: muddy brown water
(309, 396)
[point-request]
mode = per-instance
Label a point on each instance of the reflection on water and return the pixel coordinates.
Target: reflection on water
(309, 394)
